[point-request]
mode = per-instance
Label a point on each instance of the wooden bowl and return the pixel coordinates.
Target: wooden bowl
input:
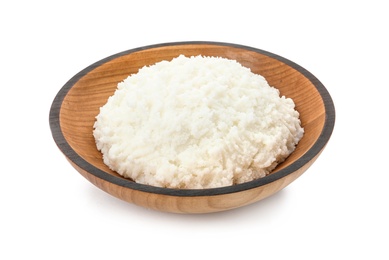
(73, 112)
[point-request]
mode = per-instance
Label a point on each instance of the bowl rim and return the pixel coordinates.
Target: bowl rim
(71, 155)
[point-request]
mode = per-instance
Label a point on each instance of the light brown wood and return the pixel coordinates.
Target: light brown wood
(77, 107)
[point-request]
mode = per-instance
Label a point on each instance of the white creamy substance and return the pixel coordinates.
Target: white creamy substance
(198, 122)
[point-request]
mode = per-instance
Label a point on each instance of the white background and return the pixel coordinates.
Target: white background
(338, 209)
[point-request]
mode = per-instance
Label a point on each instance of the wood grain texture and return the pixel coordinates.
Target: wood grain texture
(75, 107)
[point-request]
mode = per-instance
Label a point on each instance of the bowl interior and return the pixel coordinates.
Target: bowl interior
(90, 91)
